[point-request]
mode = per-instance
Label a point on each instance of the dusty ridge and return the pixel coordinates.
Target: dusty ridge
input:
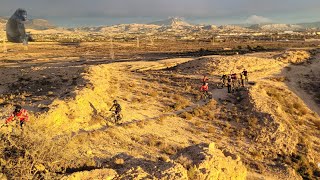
(201, 161)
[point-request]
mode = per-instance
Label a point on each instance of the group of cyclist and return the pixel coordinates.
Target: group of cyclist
(234, 81)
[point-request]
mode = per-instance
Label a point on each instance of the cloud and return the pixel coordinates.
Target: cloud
(254, 19)
(226, 11)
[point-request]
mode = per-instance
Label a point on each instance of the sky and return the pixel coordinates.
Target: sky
(107, 12)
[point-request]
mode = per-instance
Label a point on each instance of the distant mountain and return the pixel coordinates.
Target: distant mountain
(311, 25)
(39, 24)
(36, 24)
(285, 27)
(173, 21)
(277, 27)
(3, 20)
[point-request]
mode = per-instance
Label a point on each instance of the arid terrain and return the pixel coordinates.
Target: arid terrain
(268, 130)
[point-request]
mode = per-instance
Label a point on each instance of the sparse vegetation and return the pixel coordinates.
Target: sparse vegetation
(186, 116)
(180, 102)
(32, 156)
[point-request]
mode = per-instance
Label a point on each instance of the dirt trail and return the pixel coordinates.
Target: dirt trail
(134, 121)
(217, 94)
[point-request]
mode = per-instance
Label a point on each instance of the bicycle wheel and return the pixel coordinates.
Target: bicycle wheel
(203, 96)
(220, 85)
(117, 118)
(110, 118)
(120, 117)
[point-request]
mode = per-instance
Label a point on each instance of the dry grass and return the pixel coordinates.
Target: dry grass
(275, 93)
(186, 116)
(293, 108)
(138, 99)
(158, 142)
(257, 155)
(32, 156)
(300, 108)
(153, 140)
(161, 120)
(211, 129)
(119, 161)
(302, 166)
(180, 102)
(279, 79)
(253, 122)
(141, 124)
(198, 112)
(153, 93)
(227, 129)
(184, 161)
(317, 123)
(168, 149)
(198, 123)
(240, 134)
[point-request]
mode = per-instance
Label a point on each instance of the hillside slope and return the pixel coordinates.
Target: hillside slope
(265, 130)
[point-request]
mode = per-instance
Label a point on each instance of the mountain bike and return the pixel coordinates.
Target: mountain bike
(206, 95)
(114, 117)
(221, 84)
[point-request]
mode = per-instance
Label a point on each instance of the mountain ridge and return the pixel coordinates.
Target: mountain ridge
(173, 23)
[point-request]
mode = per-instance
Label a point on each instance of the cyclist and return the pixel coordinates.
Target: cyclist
(234, 80)
(204, 79)
(21, 114)
(204, 89)
(229, 84)
(224, 79)
(245, 73)
(242, 78)
(117, 110)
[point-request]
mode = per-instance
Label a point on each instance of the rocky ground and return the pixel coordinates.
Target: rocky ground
(268, 130)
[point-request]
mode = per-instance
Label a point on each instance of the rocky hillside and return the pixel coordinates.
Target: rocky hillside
(203, 161)
(39, 24)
